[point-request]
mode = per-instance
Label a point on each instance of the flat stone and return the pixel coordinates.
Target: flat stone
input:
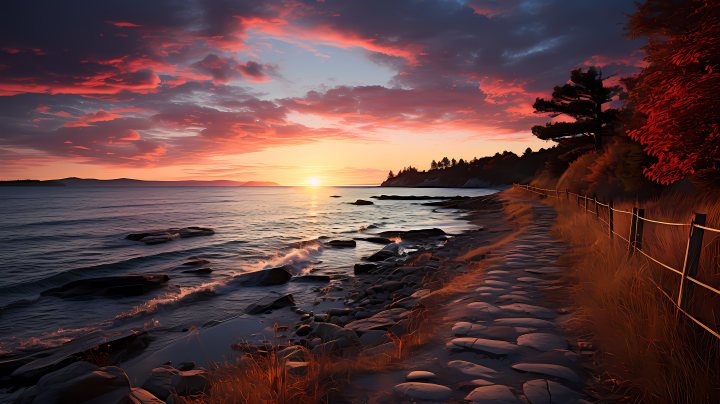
(481, 382)
(542, 342)
(425, 391)
(502, 333)
(460, 329)
(548, 369)
(486, 345)
(496, 283)
(516, 298)
(495, 394)
(485, 308)
(528, 279)
(498, 272)
(525, 322)
(541, 391)
(545, 270)
(489, 289)
(536, 311)
(471, 369)
(419, 376)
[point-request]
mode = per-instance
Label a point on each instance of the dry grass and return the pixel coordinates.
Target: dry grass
(651, 352)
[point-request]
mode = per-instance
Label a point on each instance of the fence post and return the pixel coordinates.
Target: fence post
(567, 195)
(692, 259)
(610, 217)
(639, 229)
(597, 213)
(557, 194)
(633, 225)
(586, 199)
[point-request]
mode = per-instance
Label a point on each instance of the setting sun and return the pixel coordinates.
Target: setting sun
(314, 182)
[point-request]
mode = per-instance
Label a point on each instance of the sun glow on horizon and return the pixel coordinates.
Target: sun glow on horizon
(314, 182)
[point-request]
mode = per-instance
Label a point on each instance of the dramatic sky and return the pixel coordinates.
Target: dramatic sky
(284, 91)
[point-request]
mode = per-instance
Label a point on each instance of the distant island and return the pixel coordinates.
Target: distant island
(31, 183)
(127, 182)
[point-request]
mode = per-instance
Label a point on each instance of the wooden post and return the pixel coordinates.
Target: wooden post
(692, 259)
(597, 213)
(557, 194)
(567, 195)
(639, 229)
(586, 199)
(633, 225)
(610, 217)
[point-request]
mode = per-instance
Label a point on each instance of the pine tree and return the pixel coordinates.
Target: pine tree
(453, 163)
(433, 165)
(445, 162)
(582, 100)
(391, 175)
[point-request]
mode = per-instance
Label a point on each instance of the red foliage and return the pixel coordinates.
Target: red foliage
(679, 91)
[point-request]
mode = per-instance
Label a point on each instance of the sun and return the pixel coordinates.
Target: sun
(314, 182)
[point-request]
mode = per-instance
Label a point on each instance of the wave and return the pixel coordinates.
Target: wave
(299, 261)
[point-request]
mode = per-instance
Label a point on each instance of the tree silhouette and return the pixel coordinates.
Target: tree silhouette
(453, 163)
(461, 162)
(677, 94)
(433, 165)
(391, 175)
(528, 152)
(445, 162)
(582, 100)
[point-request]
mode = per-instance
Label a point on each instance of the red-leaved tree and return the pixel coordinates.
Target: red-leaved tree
(679, 92)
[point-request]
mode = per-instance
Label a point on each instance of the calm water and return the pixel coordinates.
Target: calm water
(51, 236)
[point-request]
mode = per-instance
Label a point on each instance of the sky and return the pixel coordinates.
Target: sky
(341, 91)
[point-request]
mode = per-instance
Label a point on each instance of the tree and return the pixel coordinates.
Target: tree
(445, 162)
(528, 152)
(582, 100)
(391, 175)
(677, 93)
(433, 165)
(453, 163)
(461, 162)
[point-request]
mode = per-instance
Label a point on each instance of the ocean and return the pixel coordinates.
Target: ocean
(54, 235)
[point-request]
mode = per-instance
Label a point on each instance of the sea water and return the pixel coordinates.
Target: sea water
(50, 236)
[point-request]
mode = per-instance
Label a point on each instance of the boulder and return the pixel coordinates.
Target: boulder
(273, 276)
(128, 285)
(378, 240)
(185, 366)
(424, 391)
(374, 338)
(185, 232)
(549, 370)
(270, 303)
(363, 268)
(304, 330)
(542, 342)
(390, 250)
(342, 243)
(413, 234)
(166, 380)
(380, 321)
(79, 382)
(542, 391)
(362, 202)
(311, 278)
(331, 347)
(419, 376)
(142, 396)
(473, 370)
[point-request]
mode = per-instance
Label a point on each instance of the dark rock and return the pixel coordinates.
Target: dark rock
(185, 366)
(312, 278)
(342, 243)
(273, 276)
(304, 330)
(380, 321)
(270, 303)
(364, 268)
(377, 240)
(339, 312)
(185, 232)
(165, 380)
(392, 286)
(129, 285)
(390, 250)
(362, 202)
(321, 317)
(304, 317)
(197, 262)
(335, 196)
(203, 270)
(413, 234)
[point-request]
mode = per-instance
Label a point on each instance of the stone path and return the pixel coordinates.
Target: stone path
(507, 344)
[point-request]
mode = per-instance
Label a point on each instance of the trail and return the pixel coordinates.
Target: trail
(502, 338)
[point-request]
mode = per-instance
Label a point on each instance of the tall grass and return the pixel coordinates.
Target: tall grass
(648, 350)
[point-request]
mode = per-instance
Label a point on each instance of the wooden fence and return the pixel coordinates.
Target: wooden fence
(688, 275)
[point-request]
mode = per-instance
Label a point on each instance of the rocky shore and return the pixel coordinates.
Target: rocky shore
(390, 297)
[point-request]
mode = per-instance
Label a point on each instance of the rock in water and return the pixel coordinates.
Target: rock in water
(273, 276)
(362, 202)
(390, 250)
(378, 240)
(413, 234)
(342, 243)
(364, 268)
(270, 303)
(203, 270)
(312, 278)
(113, 285)
(185, 232)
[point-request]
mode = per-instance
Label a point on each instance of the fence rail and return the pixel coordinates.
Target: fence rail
(692, 253)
